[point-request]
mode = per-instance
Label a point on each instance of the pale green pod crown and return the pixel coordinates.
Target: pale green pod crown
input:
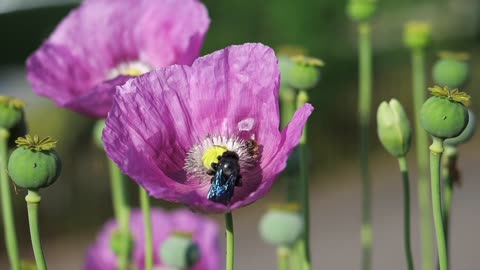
(393, 128)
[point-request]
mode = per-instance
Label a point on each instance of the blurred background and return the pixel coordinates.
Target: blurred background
(74, 209)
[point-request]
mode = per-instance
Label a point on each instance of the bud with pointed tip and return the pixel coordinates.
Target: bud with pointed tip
(393, 128)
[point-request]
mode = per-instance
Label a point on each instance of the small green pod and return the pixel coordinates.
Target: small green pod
(361, 10)
(417, 35)
(179, 251)
(34, 164)
(281, 227)
(304, 72)
(393, 128)
(11, 112)
(443, 118)
(452, 70)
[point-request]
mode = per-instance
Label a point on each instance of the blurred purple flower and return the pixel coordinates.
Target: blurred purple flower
(205, 234)
(163, 123)
(102, 44)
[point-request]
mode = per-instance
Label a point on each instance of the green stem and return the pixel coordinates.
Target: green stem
(449, 175)
(283, 254)
(288, 103)
(402, 163)
(436, 150)
(147, 221)
(7, 208)
(230, 241)
(33, 200)
(121, 209)
(364, 105)
(304, 188)
(421, 138)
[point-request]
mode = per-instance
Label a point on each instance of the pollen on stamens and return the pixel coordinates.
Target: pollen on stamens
(200, 157)
(129, 68)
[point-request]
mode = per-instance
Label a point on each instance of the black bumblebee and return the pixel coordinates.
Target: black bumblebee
(226, 175)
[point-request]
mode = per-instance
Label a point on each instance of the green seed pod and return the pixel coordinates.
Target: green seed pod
(179, 251)
(304, 73)
(117, 241)
(34, 164)
(393, 128)
(467, 133)
(282, 225)
(284, 63)
(361, 10)
(11, 112)
(444, 115)
(417, 35)
(97, 132)
(452, 70)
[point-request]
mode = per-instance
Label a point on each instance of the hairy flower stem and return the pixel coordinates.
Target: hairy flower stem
(436, 150)
(288, 103)
(121, 209)
(283, 254)
(229, 255)
(7, 208)
(449, 175)
(421, 138)
(33, 200)
(402, 163)
(364, 107)
(304, 189)
(147, 223)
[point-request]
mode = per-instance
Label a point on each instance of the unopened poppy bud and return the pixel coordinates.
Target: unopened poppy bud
(282, 225)
(34, 164)
(304, 73)
(118, 240)
(361, 10)
(444, 115)
(179, 251)
(11, 112)
(467, 133)
(393, 128)
(417, 35)
(452, 70)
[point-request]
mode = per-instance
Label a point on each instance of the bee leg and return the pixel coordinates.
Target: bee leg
(214, 166)
(211, 172)
(239, 182)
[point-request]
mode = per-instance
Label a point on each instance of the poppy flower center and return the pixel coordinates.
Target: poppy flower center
(199, 160)
(129, 68)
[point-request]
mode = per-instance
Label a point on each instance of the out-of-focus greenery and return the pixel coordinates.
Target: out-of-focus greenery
(321, 27)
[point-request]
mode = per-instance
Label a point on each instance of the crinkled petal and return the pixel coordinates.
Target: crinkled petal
(148, 131)
(236, 93)
(75, 61)
(291, 135)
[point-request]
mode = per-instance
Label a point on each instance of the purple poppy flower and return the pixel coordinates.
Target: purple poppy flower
(102, 44)
(168, 127)
(204, 232)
